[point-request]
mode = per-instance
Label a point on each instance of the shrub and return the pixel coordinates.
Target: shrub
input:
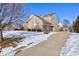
(29, 29)
(39, 30)
(33, 29)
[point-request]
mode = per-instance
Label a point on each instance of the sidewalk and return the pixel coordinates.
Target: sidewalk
(50, 47)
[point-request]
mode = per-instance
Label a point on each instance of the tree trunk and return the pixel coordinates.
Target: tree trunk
(1, 35)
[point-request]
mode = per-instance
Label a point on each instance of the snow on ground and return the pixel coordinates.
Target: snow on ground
(30, 39)
(71, 47)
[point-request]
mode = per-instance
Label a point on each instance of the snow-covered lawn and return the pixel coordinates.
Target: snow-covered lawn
(71, 48)
(30, 39)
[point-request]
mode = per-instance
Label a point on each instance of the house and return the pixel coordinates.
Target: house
(42, 23)
(18, 26)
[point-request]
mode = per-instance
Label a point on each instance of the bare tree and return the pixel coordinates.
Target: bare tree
(9, 13)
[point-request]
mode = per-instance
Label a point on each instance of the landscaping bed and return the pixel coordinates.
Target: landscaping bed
(8, 42)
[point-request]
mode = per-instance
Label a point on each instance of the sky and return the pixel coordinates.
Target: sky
(68, 11)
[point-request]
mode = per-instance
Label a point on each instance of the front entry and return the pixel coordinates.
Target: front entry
(50, 28)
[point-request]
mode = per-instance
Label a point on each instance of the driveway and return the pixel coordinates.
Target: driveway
(50, 47)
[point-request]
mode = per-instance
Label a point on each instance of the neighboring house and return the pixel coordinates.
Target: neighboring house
(42, 23)
(60, 26)
(12, 26)
(17, 27)
(65, 28)
(8, 27)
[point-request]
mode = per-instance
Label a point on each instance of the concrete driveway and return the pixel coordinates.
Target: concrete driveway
(50, 47)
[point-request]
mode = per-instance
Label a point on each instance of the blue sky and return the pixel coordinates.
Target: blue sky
(67, 11)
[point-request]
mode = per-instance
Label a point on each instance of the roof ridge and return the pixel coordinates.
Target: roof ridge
(49, 14)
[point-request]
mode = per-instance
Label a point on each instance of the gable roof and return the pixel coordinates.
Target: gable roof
(49, 14)
(44, 20)
(53, 16)
(39, 18)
